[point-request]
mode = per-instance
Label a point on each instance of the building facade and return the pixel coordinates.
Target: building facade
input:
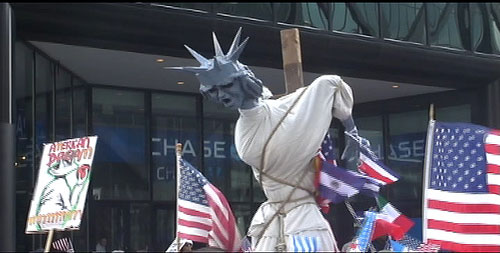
(72, 70)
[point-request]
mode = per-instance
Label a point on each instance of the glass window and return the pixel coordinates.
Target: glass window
(120, 167)
(243, 215)
(407, 132)
(173, 120)
(195, 6)
(403, 21)
(164, 228)
(459, 113)
(343, 20)
(44, 81)
(223, 167)
(485, 27)
(446, 25)
(371, 129)
(23, 120)
(80, 108)
(63, 104)
(263, 11)
(139, 227)
(317, 14)
(23, 81)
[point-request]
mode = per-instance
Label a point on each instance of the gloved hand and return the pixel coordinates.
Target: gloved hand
(350, 156)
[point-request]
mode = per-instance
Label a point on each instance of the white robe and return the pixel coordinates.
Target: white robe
(288, 155)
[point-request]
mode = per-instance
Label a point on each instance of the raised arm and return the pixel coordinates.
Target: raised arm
(350, 156)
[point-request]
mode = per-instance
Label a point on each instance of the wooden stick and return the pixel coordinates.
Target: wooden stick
(49, 240)
(178, 156)
(292, 59)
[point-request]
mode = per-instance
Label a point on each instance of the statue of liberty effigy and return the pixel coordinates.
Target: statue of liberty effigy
(279, 139)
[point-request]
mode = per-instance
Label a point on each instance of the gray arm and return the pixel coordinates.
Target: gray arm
(352, 142)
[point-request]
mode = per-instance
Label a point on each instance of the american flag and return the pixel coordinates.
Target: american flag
(462, 178)
(411, 244)
(63, 244)
(204, 213)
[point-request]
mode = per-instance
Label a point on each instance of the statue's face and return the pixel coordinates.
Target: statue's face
(230, 95)
(239, 94)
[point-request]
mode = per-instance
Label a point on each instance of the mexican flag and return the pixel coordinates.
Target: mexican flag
(390, 221)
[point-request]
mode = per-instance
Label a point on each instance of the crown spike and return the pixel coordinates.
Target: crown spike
(218, 50)
(217, 63)
(234, 57)
(202, 60)
(234, 45)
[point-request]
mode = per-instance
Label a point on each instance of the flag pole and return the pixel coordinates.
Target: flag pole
(178, 156)
(427, 165)
(49, 240)
(432, 115)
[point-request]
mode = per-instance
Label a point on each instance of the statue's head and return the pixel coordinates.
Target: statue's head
(224, 79)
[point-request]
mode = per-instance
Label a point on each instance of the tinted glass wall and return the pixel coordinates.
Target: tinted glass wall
(460, 26)
(45, 112)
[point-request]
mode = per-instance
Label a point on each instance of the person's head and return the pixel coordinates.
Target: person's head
(225, 80)
(103, 241)
(187, 246)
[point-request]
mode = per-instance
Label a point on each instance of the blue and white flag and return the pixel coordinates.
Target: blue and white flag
(303, 243)
(363, 238)
(337, 184)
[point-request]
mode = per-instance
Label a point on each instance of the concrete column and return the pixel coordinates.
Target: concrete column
(7, 135)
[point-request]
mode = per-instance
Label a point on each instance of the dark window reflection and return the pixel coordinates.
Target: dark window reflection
(164, 224)
(485, 27)
(173, 121)
(343, 20)
(403, 21)
(44, 82)
(196, 6)
(23, 120)
(446, 24)
(222, 165)
(119, 164)
(63, 104)
(80, 108)
(405, 155)
(252, 10)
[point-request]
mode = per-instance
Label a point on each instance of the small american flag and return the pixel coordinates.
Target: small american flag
(204, 213)
(63, 244)
(462, 177)
(414, 245)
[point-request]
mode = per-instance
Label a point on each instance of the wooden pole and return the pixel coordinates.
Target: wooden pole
(178, 156)
(49, 240)
(292, 59)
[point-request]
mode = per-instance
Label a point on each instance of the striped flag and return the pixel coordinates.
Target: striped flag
(336, 184)
(410, 244)
(364, 235)
(372, 166)
(303, 243)
(63, 244)
(461, 196)
(394, 216)
(204, 213)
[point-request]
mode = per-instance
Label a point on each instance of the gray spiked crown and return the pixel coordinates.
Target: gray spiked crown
(223, 68)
